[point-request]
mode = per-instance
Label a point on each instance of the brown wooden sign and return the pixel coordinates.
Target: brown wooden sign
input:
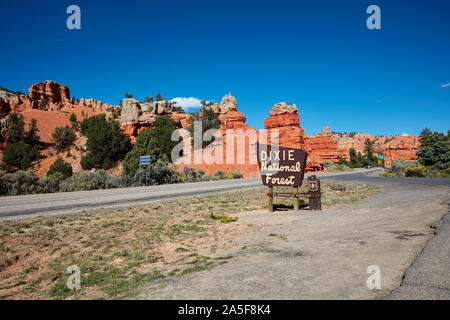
(280, 166)
(285, 167)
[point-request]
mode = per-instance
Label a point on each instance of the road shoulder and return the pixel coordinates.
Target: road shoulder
(428, 277)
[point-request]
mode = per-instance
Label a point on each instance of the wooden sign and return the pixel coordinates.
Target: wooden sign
(280, 166)
(285, 167)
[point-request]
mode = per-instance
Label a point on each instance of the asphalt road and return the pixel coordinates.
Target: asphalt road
(75, 202)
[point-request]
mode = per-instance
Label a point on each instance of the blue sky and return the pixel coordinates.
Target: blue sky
(317, 54)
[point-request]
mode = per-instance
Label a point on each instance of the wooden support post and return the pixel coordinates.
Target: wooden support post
(296, 200)
(315, 199)
(315, 204)
(270, 202)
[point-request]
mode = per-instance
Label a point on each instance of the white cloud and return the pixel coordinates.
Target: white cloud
(187, 103)
(405, 134)
(445, 85)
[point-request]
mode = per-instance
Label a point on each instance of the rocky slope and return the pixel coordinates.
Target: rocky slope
(335, 146)
(50, 104)
(136, 116)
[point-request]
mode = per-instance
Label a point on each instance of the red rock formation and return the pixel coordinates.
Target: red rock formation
(284, 119)
(392, 147)
(181, 119)
(233, 120)
(236, 132)
(137, 116)
(54, 113)
(50, 91)
(323, 146)
(401, 147)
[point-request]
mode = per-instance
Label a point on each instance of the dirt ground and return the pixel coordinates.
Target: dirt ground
(119, 251)
(322, 255)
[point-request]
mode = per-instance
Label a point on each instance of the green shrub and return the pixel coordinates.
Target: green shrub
(327, 164)
(419, 171)
(357, 160)
(237, 174)
(106, 142)
(155, 142)
(62, 167)
(336, 167)
(221, 175)
(50, 184)
(209, 119)
(192, 175)
(15, 157)
(22, 147)
(397, 167)
(64, 138)
(94, 181)
(159, 173)
(74, 121)
(434, 150)
(26, 182)
(21, 182)
(370, 157)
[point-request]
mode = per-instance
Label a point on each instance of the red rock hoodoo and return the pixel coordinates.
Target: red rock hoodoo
(236, 136)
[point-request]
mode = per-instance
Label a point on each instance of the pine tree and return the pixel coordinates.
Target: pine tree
(22, 147)
(74, 121)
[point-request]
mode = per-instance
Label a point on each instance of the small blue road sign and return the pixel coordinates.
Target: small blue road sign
(144, 160)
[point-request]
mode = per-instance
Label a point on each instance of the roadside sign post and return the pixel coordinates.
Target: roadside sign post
(144, 161)
(285, 167)
(380, 158)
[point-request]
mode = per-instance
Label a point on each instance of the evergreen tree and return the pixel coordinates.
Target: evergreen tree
(16, 129)
(64, 138)
(209, 119)
(15, 157)
(368, 152)
(32, 140)
(22, 147)
(159, 97)
(60, 166)
(155, 142)
(106, 142)
(435, 151)
(74, 121)
(426, 132)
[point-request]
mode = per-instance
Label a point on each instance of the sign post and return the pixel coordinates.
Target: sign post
(144, 161)
(380, 158)
(285, 167)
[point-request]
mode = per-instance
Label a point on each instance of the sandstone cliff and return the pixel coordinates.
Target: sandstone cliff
(335, 146)
(136, 116)
(236, 136)
(50, 104)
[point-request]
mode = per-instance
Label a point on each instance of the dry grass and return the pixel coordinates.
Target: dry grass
(117, 251)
